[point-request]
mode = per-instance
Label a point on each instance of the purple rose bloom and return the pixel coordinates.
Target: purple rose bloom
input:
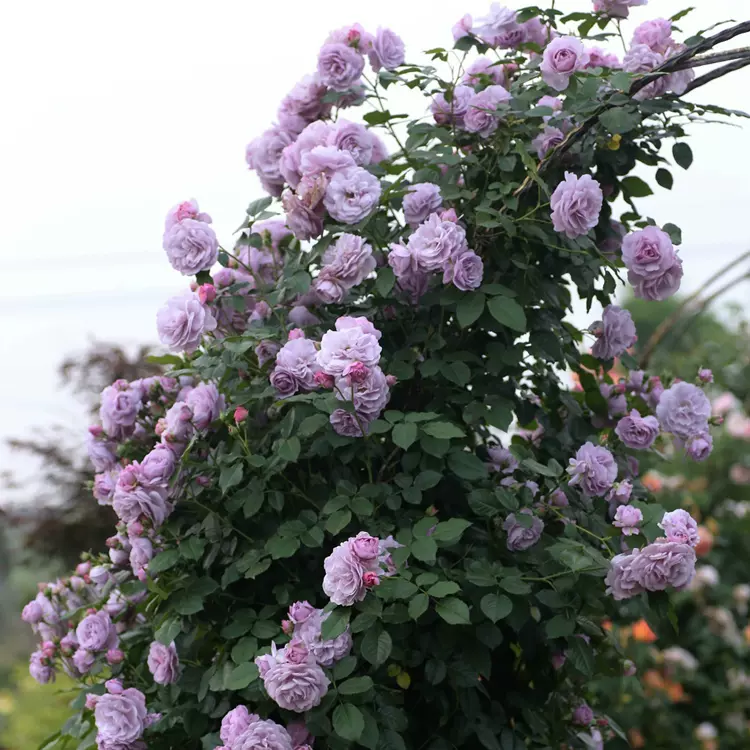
(387, 50)
(185, 210)
(481, 115)
(120, 404)
(562, 58)
(599, 58)
(32, 612)
(346, 424)
(699, 446)
(497, 23)
(481, 67)
(120, 718)
(679, 526)
(450, 112)
(141, 554)
(369, 397)
(628, 518)
(349, 261)
(96, 632)
(101, 453)
(422, 199)
(616, 333)
(648, 253)
(434, 242)
(664, 564)
(593, 469)
(191, 246)
(298, 357)
(284, 382)
(132, 503)
(548, 139)
(83, 660)
(206, 403)
(656, 34)
(465, 270)
(617, 8)
(303, 104)
(305, 221)
(642, 59)
(178, 423)
(343, 582)
(520, 537)
(354, 139)
(157, 467)
(621, 582)
(341, 348)
(104, 486)
(637, 432)
(301, 612)
(583, 715)
(339, 66)
(263, 155)
(235, 723)
(660, 288)
(163, 663)
(326, 653)
(501, 459)
(684, 410)
(266, 351)
(183, 321)
(352, 195)
(40, 668)
(325, 160)
(265, 734)
(576, 204)
(296, 685)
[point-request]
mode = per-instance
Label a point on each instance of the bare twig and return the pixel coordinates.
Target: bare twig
(716, 57)
(718, 73)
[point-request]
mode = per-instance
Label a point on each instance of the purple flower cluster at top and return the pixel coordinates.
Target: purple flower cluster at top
(500, 28)
(356, 565)
(668, 562)
(617, 8)
(437, 244)
(189, 240)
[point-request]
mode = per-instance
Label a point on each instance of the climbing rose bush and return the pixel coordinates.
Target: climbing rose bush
(343, 516)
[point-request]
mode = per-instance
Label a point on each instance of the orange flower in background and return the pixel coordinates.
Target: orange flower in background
(653, 680)
(652, 481)
(643, 633)
(636, 738)
(607, 625)
(746, 633)
(705, 543)
(675, 691)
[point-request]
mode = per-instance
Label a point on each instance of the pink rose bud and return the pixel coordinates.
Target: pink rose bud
(206, 293)
(449, 215)
(705, 375)
(353, 37)
(389, 312)
(240, 414)
(431, 511)
(141, 575)
(90, 611)
(115, 656)
(391, 380)
(48, 649)
(114, 687)
(716, 421)
(370, 579)
(96, 430)
(193, 286)
(91, 701)
(619, 388)
(161, 427)
(296, 333)
(83, 568)
(323, 379)
(558, 660)
(287, 626)
(203, 481)
(357, 372)
(135, 528)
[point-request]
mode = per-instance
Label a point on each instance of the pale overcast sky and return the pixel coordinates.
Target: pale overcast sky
(114, 112)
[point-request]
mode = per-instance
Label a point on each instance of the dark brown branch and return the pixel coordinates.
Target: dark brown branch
(718, 73)
(716, 57)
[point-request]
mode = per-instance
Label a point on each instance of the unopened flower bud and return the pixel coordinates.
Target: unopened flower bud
(629, 668)
(391, 380)
(287, 626)
(203, 480)
(323, 379)
(370, 579)
(96, 430)
(91, 701)
(705, 375)
(206, 293)
(449, 215)
(115, 656)
(240, 414)
(296, 333)
(357, 372)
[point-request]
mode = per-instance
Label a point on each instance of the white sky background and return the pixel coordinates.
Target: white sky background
(112, 113)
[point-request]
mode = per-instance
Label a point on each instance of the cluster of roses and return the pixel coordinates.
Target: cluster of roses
(242, 730)
(346, 360)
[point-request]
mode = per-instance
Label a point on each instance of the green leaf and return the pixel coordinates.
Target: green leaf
(289, 449)
(467, 466)
(469, 308)
(396, 588)
(620, 120)
(163, 561)
(310, 425)
(683, 154)
(335, 624)
(348, 722)
(581, 656)
(168, 631)
(241, 676)
(451, 530)
(496, 606)
(457, 372)
(443, 588)
(338, 521)
(376, 646)
(664, 178)
(508, 312)
(280, 547)
(404, 434)
(230, 476)
(418, 606)
(187, 604)
(444, 430)
(385, 280)
(426, 480)
(559, 627)
(635, 187)
(424, 549)
(259, 205)
(674, 232)
(244, 650)
(538, 468)
(165, 359)
(355, 686)
(344, 667)
(453, 611)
